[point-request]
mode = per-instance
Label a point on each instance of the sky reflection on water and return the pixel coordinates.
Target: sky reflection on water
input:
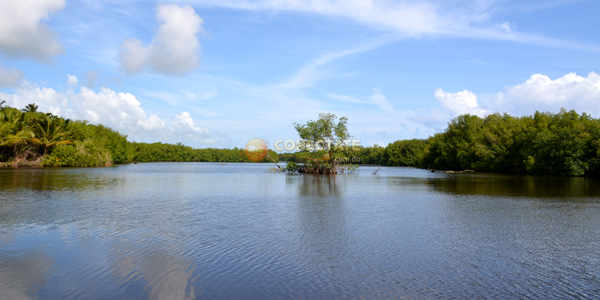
(201, 230)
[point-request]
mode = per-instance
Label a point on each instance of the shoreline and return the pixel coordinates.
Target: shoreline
(27, 164)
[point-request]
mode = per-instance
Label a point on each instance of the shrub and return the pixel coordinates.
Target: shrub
(80, 154)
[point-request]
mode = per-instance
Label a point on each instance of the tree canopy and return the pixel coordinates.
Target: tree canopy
(324, 133)
(565, 143)
(322, 143)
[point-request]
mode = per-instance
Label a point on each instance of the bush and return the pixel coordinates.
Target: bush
(80, 154)
(292, 167)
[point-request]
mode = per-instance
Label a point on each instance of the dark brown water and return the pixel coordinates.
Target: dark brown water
(211, 231)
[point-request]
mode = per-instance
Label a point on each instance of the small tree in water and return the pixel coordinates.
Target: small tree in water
(323, 144)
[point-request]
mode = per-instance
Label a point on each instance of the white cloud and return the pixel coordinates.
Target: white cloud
(408, 18)
(460, 103)
(119, 111)
(174, 50)
(10, 77)
(22, 33)
(345, 98)
(462, 18)
(505, 26)
(541, 93)
(189, 130)
(380, 100)
(187, 122)
(208, 95)
(72, 81)
(48, 99)
(310, 73)
(538, 93)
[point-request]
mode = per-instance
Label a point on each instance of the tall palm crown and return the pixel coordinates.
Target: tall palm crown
(30, 108)
(50, 133)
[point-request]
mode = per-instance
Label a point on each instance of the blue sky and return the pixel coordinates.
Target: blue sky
(218, 73)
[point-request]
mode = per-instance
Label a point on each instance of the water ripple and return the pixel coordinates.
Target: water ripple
(201, 231)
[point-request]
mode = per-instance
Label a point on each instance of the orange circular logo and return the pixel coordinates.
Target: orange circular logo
(326, 157)
(256, 149)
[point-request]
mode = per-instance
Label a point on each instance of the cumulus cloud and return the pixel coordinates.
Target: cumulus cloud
(22, 33)
(120, 111)
(10, 77)
(190, 130)
(72, 81)
(174, 50)
(539, 92)
(460, 103)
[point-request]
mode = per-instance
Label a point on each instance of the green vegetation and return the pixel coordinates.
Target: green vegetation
(156, 152)
(399, 153)
(322, 144)
(32, 138)
(554, 144)
(565, 143)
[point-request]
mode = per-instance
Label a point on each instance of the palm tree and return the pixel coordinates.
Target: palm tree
(2, 104)
(14, 118)
(5, 131)
(30, 108)
(50, 133)
(17, 138)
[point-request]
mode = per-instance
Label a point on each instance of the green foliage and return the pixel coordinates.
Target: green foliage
(120, 149)
(554, 144)
(565, 143)
(325, 137)
(404, 153)
(324, 133)
(399, 153)
(80, 154)
(156, 152)
(292, 167)
(49, 132)
(30, 108)
(29, 135)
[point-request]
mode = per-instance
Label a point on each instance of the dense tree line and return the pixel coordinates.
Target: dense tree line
(32, 138)
(565, 143)
(399, 153)
(156, 152)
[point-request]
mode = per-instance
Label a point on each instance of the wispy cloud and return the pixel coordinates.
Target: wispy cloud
(311, 72)
(459, 19)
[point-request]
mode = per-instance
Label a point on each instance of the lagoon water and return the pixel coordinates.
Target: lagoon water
(235, 231)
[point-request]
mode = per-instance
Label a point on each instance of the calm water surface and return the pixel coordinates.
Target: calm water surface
(235, 231)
